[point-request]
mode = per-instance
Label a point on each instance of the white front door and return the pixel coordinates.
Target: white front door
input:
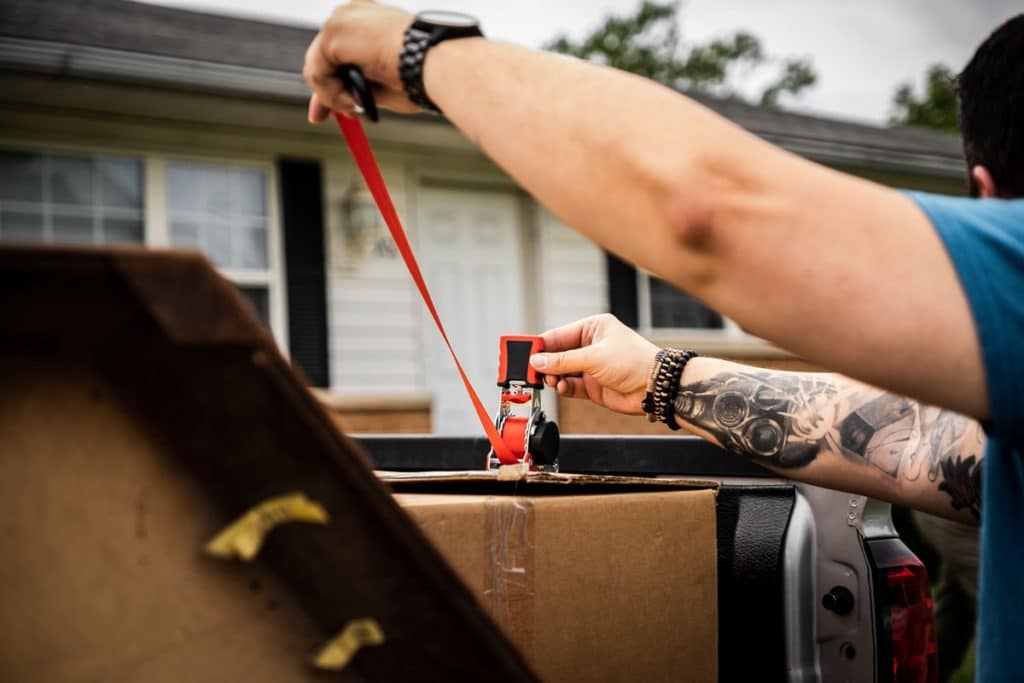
(471, 249)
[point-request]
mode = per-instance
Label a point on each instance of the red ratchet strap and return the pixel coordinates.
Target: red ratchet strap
(355, 136)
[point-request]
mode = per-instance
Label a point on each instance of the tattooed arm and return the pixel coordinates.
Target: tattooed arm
(823, 429)
(832, 431)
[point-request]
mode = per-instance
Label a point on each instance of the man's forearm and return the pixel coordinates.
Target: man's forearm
(830, 431)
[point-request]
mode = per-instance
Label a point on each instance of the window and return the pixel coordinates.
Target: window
(669, 307)
(258, 300)
(226, 210)
(223, 210)
(70, 198)
(648, 303)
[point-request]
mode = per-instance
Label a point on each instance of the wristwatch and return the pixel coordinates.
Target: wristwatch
(427, 30)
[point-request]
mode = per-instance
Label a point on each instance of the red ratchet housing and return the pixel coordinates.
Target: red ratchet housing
(530, 436)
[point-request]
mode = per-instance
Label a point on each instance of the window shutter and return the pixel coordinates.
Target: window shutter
(303, 222)
(622, 299)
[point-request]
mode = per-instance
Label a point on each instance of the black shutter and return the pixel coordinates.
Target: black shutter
(622, 301)
(302, 215)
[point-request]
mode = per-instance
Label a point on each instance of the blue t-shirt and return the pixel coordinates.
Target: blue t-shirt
(985, 241)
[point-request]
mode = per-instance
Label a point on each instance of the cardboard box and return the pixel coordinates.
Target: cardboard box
(590, 584)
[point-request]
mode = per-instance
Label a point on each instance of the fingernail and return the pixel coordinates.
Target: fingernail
(539, 361)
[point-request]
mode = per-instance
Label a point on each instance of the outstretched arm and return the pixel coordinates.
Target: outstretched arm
(820, 428)
(769, 239)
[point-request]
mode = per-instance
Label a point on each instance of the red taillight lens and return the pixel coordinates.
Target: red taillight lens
(906, 619)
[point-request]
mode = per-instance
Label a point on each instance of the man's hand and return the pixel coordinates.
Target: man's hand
(598, 358)
(365, 34)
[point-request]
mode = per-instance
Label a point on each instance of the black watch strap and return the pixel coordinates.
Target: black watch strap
(410, 67)
(419, 38)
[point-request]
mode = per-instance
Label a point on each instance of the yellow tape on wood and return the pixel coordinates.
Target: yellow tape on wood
(340, 650)
(244, 537)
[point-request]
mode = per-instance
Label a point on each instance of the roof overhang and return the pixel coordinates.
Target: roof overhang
(869, 158)
(96, 63)
(89, 62)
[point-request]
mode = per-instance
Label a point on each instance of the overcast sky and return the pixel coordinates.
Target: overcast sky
(862, 50)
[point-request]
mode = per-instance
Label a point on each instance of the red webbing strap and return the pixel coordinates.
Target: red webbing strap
(355, 136)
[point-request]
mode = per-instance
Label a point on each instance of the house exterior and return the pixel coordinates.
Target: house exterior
(122, 122)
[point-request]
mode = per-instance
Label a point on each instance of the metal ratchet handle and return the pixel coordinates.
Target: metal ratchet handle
(358, 87)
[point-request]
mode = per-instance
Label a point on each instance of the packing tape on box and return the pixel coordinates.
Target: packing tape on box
(340, 649)
(509, 574)
(244, 537)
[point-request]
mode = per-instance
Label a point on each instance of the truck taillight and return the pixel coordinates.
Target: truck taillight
(905, 620)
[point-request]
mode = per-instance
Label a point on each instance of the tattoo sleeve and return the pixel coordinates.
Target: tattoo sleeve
(787, 420)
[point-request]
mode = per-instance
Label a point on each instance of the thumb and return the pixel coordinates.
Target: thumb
(565, 363)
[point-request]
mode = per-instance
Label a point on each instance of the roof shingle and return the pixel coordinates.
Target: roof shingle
(157, 30)
(169, 32)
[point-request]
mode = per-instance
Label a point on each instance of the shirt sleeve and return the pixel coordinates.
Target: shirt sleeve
(985, 241)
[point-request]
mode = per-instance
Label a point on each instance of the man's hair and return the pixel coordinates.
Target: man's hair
(991, 90)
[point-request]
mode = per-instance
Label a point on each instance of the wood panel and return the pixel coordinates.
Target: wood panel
(194, 375)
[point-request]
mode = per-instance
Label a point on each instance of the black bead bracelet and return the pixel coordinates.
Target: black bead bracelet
(663, 386)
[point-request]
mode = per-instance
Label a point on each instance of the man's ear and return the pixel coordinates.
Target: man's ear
(983, 182)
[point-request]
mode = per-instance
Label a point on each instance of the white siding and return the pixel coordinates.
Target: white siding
(372, 308)
(572, 280)
(374, 313)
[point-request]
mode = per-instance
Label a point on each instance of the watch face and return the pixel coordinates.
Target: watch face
(443, 18)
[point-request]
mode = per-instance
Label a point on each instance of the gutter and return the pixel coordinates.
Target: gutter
(88, 62)
(875, 158)
(97, 63)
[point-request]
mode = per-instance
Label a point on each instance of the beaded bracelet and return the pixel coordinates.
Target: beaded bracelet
(663, 385)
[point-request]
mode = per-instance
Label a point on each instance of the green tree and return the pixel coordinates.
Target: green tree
(648, 43)
(935, 108)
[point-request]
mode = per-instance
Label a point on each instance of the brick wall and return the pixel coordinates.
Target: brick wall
(380, 422)
(378, 415)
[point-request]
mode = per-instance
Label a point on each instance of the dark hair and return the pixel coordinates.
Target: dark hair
(991, 90)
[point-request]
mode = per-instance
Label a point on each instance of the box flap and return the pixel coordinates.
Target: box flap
(573, 483)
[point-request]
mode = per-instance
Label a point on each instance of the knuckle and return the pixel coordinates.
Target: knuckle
(314, 45)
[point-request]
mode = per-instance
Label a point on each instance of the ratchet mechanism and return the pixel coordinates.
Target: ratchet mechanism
(531, 437)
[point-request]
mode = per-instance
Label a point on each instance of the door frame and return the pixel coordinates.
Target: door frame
(479, 180)
(476, 177)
